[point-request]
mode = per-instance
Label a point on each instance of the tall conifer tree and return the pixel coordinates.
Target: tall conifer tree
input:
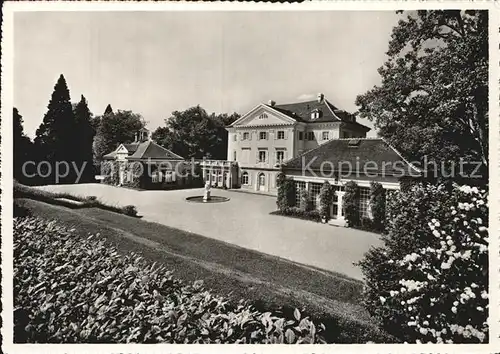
(22, 147)
(85, 137)
(55, 138)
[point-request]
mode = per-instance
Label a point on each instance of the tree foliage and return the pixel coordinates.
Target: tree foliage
(195, 134)
(433, 99)
(114, 129)
(85, 138)
(22, 147)
(55, 138)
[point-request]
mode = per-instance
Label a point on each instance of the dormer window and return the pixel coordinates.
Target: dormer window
(263, 116)
(315, 114)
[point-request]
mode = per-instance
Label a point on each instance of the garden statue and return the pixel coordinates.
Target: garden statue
(206, 195)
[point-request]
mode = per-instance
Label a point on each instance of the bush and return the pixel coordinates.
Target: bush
(129, 210)
(430, 281)
(326, 200)
(298, 213)
(351, 204)
(20, 209)
(135, 171)
(367, 224)
(286, 192)
(109, 169)
(305, 203)
(377, 205)
(81, 290)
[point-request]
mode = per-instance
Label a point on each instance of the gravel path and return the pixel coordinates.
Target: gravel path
(244, 221)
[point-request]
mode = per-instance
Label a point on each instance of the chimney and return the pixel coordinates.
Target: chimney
(272, 103)
(321, 97)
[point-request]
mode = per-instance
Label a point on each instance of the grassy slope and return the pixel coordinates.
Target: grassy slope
(267, 281)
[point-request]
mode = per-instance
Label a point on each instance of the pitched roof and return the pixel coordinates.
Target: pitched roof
(131, 148)
(365, 155)
(145, 150)
(151, 150)
(301, 111)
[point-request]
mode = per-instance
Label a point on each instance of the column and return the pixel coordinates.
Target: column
(340, 196)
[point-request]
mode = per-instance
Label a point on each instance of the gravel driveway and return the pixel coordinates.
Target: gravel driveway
(244, 221)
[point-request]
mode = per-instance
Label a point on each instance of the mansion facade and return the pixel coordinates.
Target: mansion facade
(310, 142)
(270, 134)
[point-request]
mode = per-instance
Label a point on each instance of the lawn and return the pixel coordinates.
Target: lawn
(267, 281)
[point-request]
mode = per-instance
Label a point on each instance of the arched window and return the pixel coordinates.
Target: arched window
(244, 179)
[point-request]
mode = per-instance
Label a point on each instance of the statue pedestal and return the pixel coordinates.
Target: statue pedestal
(206, 196)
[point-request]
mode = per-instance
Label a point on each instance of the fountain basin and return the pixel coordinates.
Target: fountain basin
(213, 199)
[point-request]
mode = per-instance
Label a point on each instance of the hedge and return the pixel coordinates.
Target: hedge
(22, 191)
(298, 213)
(70, 289)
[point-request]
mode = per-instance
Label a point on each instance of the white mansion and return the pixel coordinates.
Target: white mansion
(284, 137)
(270, 134)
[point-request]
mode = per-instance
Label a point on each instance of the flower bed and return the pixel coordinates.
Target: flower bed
(81, 290)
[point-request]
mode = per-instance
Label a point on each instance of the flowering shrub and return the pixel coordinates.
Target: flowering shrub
(430, 281)
(70, 289)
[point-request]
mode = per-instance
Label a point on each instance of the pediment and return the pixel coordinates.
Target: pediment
(121, 150)
(263, 115)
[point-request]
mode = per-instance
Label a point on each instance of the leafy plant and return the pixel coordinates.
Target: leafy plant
(81, 290)
(377, 204)
(305, 203)
(351, 204)
(286, 192)
(299, 213)
(130, 210)
(325, 200)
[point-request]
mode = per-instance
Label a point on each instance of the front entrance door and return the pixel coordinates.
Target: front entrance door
(262, 182)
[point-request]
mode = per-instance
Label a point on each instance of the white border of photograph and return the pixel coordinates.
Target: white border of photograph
(7, 82)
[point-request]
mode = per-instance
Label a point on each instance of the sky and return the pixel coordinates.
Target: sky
(154, 63)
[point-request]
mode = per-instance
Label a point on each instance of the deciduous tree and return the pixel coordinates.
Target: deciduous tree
(433, 99)
(114, 129)
(195, 134)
